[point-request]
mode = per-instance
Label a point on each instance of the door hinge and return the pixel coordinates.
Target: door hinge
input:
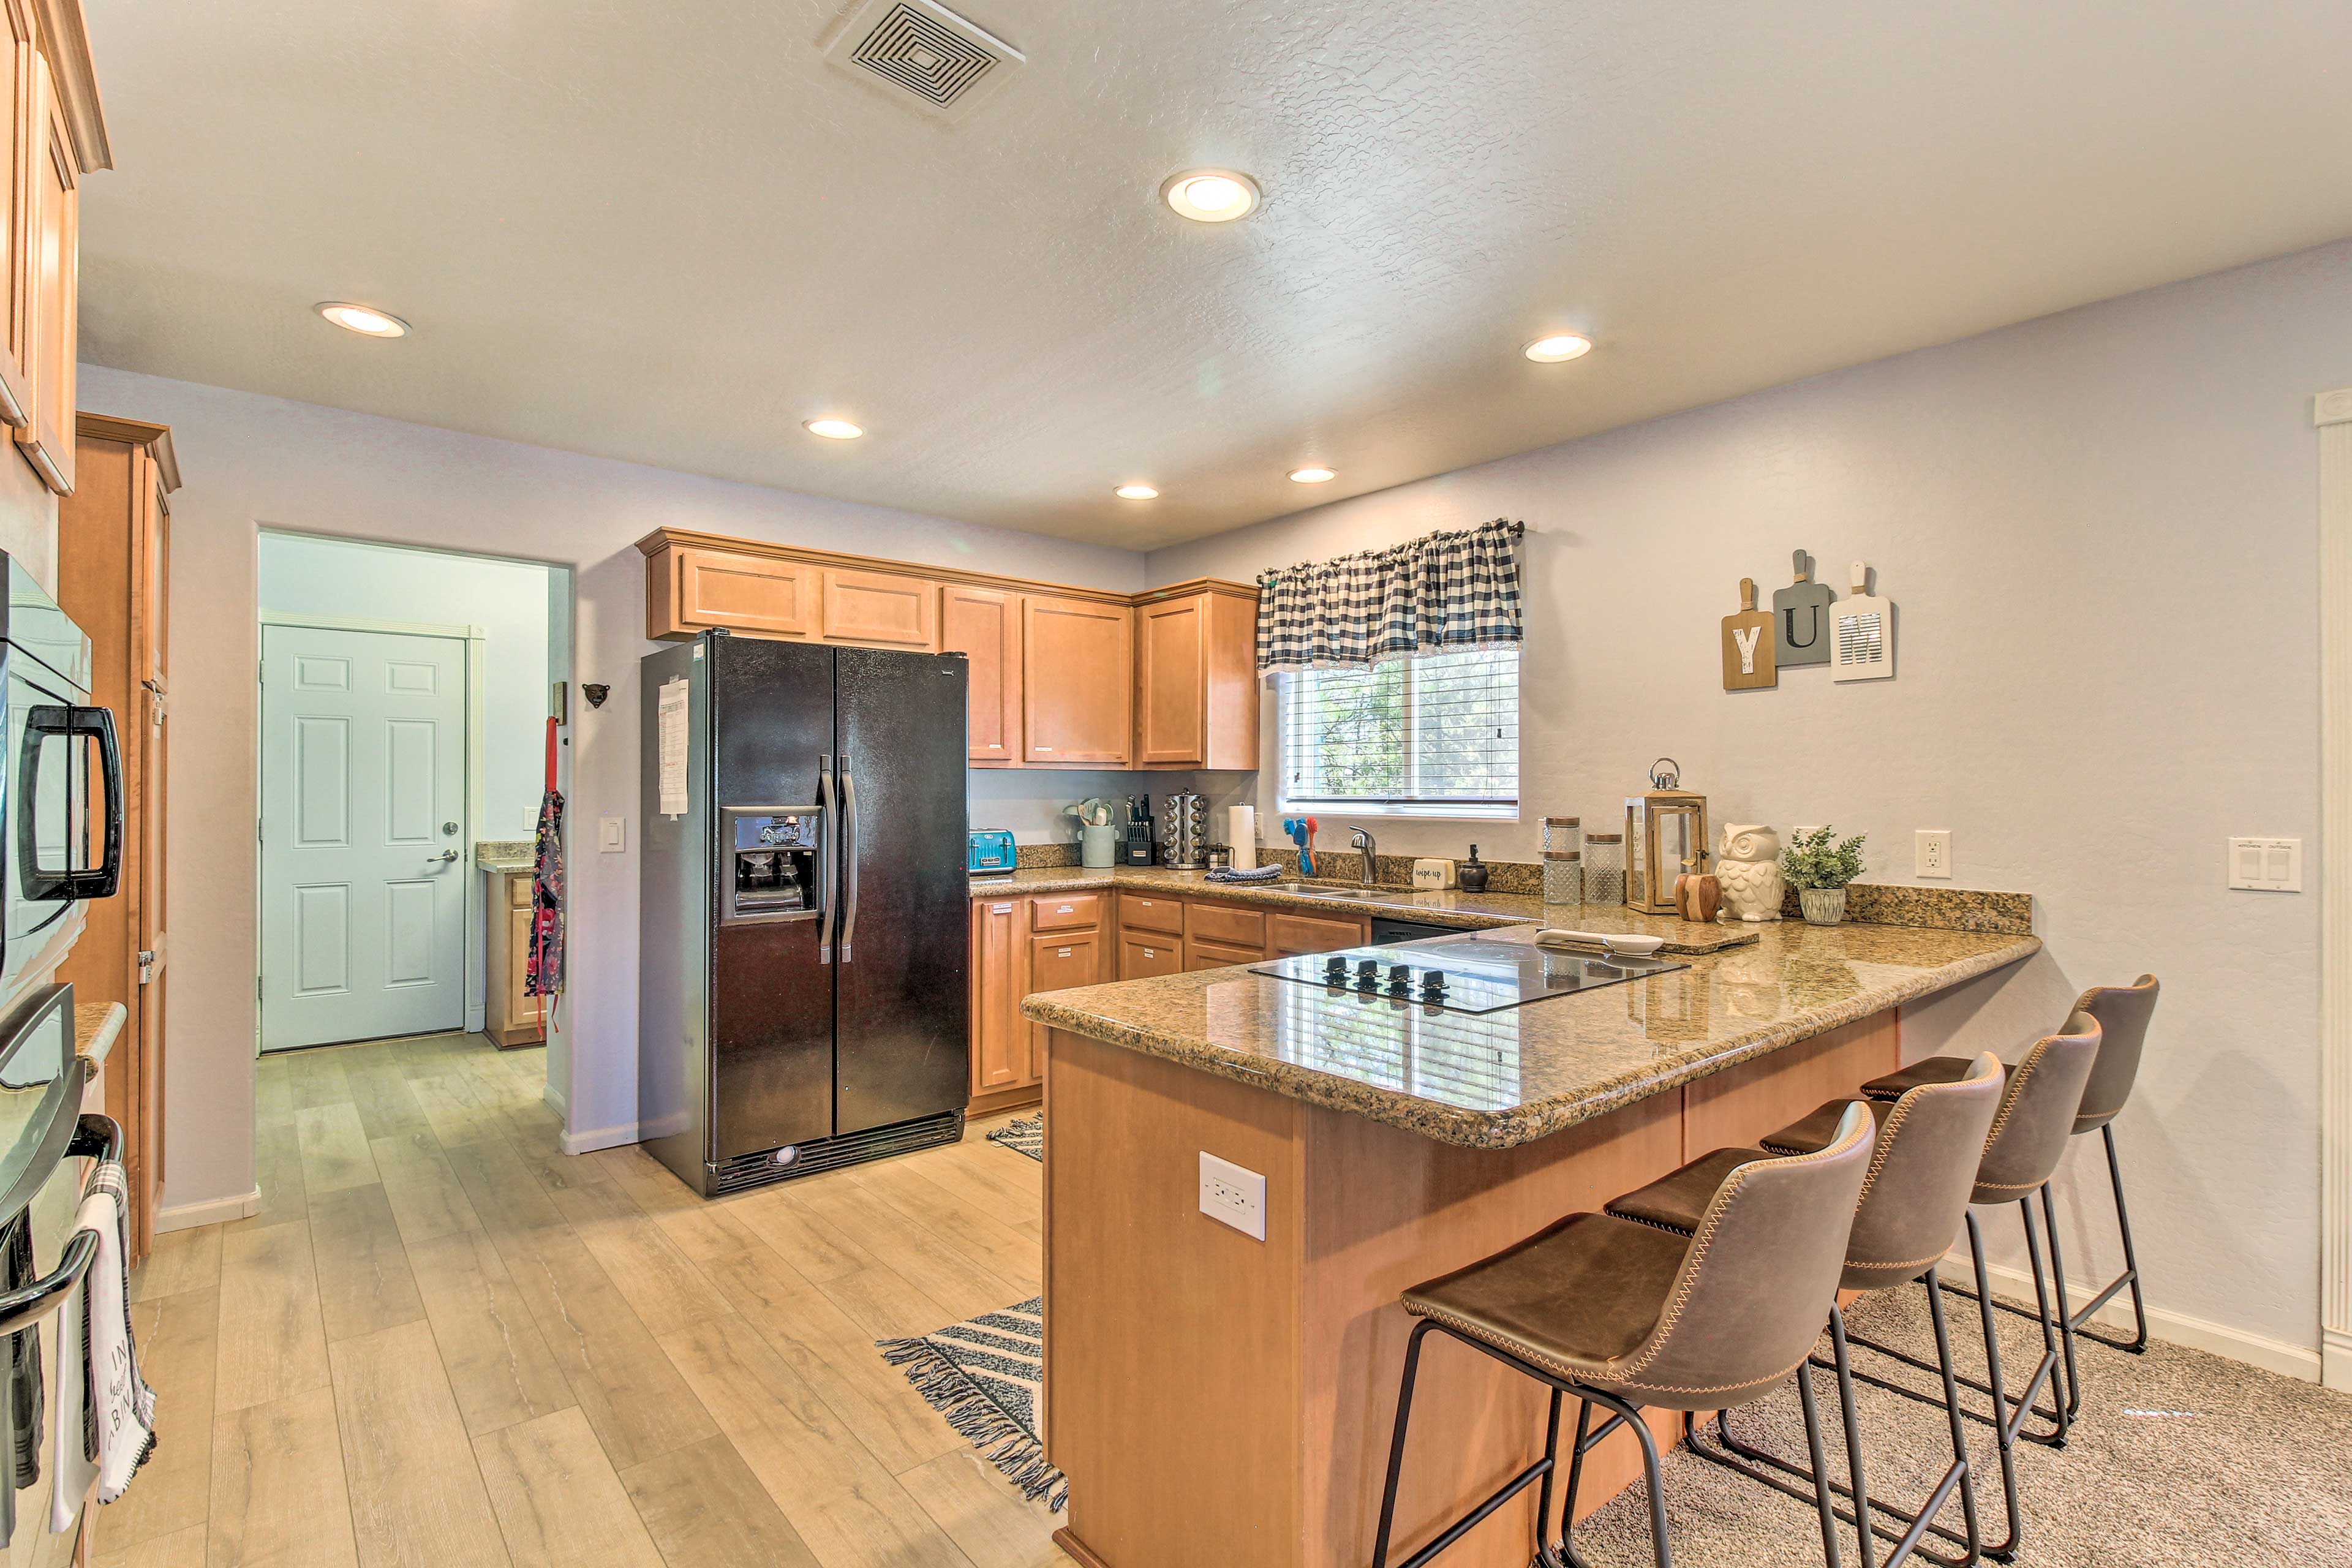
(146, 966)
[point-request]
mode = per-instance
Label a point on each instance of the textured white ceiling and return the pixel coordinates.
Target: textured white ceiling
(668, 232)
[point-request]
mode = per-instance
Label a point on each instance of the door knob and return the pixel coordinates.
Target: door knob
(446, 854)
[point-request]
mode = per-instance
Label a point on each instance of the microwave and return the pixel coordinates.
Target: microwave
(60, 785)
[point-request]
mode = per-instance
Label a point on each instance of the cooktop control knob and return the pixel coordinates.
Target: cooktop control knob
(1434, 983)
(1335, 965)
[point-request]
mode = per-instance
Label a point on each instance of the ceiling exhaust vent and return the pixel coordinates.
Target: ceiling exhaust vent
(941, 63)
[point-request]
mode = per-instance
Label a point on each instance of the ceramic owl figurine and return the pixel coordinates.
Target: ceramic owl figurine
(1749, 870)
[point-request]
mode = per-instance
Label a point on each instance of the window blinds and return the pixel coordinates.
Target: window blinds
(1439, 733)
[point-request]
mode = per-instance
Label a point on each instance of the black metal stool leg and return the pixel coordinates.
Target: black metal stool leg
(1960, 1432)
(2004, 1446)
(1861, 1492)
(1396, 1444)
(1575, 1478)
(2074, 1390)
(2137, 1343)
(1551, 1463)
(1821, 1466)
(2050, 1355)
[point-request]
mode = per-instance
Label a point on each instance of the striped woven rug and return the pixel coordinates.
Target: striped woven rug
(1023, 1136)
(985, 1375)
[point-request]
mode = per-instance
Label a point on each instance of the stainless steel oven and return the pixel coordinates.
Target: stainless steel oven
(60, 785)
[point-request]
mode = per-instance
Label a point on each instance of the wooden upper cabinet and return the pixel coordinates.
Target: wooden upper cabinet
(1077, 683)
(22, 94)
(690, 590)
(1196, 686)
(51, 272)
(984, 625)
(879, 609)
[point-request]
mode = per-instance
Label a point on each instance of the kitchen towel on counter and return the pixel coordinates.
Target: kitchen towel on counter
(1263, 874)
(1241, 835)
(124, 1406)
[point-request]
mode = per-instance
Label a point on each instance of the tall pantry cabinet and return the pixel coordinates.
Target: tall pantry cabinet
(114, 549)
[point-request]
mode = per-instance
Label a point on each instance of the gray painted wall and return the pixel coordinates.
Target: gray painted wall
(2100, 530)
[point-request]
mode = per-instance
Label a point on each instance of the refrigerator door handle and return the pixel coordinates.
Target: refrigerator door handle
(824, 857)
(848, 857)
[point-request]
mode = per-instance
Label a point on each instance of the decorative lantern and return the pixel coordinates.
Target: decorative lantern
(1665, 836)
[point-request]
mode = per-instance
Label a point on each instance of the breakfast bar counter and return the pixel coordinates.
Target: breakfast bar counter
(1216, 1398)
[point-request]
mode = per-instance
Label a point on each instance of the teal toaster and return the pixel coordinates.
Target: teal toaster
(991, 850)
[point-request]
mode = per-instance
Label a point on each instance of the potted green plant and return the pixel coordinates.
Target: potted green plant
(1818, 868)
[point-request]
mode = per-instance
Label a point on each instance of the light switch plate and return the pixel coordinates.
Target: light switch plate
(1932, 852)
(611, 834)
(2266, 865)
(1231, 1195)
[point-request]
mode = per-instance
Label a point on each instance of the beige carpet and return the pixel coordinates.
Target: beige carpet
(2180, 1457)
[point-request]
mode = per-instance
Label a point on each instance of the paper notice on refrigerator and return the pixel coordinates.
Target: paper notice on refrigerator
(671, 727)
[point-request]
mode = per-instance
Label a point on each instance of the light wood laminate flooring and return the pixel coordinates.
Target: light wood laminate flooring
(443, 1341)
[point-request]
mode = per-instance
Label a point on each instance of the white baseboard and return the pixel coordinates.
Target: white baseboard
(599, 1138)
(2336, 1358)
(218, 1211)
(477, 1017)
(2173, 1328)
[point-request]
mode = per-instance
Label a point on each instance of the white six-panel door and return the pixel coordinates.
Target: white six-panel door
(363, 854)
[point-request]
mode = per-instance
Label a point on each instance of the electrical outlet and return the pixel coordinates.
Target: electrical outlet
(2266, 865)
(1231, 1195)
(1932, 852)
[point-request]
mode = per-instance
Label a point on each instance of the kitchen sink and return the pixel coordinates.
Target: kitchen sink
(1341, 891)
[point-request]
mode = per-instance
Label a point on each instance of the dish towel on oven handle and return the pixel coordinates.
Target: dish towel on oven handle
(114, 1431)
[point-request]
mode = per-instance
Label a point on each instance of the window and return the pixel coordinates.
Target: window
(1434, 736)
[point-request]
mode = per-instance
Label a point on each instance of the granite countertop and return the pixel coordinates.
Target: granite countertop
(1500, 1080)
(502, 856)
(1468, 911)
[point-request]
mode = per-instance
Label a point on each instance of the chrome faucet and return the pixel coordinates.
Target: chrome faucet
(1362, 838)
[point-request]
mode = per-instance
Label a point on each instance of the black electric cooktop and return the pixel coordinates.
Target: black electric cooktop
(1474, 976)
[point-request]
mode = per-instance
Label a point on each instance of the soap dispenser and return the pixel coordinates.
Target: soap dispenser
(1472, 873)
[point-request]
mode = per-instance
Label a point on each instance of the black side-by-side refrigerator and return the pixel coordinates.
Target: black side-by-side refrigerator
(803, 910)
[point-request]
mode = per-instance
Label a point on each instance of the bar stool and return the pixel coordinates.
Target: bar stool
(2039, 1098)
(1627, 1315)
(1923, 1168)
(2123, 1012)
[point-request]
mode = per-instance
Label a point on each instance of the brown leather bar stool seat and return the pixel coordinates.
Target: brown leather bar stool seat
(1627, 1315)
(2123, 1013)
(1926, 1152)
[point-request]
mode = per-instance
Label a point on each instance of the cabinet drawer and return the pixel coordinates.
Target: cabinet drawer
(1306, 934)
(1056, 963)
(1151, 914)
(1226, 924)
(1209, 955)
(518, 891)
(1141, 956)
(1067, 912)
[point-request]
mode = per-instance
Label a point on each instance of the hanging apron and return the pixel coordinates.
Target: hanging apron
(544, 975)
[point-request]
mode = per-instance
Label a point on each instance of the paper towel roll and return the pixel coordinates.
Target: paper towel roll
(1241, 832)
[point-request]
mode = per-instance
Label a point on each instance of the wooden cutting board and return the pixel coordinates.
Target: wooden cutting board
(1801, 614)
(1862, 629)
(1748, 654)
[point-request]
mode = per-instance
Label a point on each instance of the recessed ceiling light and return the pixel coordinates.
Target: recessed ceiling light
(832, 429)
(1558, 347)
(1210, 195)
(1314, 475)
(359, 318)
(1136, 492)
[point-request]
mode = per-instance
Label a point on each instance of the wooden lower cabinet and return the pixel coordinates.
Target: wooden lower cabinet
(1144, 955)
(1000, 1034)
(1209, 955)
(1289, 935)
(514, 1018)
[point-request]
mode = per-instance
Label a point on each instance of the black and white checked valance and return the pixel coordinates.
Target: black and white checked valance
(1445, 593)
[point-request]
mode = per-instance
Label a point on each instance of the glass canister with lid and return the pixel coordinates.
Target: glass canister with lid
(1563, 861)
(1604, 868)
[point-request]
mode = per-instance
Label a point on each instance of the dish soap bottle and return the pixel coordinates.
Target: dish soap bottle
(1472, 873)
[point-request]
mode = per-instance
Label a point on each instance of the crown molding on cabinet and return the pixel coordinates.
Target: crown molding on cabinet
(65, 39)
(135, 432)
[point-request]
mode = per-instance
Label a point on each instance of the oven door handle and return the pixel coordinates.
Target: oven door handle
(102, 880)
